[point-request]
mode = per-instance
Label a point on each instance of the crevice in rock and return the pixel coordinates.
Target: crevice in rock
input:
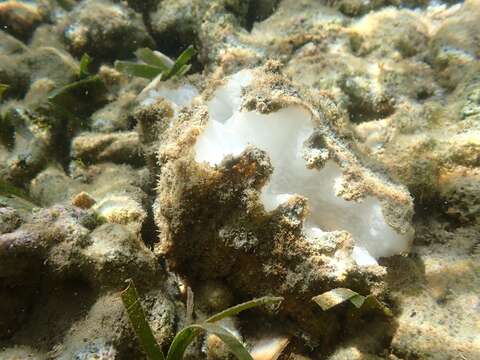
(149, 229)
(260, 10)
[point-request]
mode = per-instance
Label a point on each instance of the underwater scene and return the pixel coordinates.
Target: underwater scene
(240, 179)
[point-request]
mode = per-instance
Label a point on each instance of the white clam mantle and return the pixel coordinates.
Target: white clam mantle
(282, 135)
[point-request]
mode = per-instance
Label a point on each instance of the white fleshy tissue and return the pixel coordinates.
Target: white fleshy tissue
(282, 135)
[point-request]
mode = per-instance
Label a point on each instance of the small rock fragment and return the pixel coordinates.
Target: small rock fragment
(269, 349)
(118, 147)
(83, 200)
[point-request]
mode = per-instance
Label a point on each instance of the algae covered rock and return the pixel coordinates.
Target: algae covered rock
(83, 263)
(453, 48)
(255, 189)
(32, 134)
(105, 30)
(117, 193)
(439, 320)
(407, 33)
(10, 45)
(20, 18)
(112, 147)
(9, 220)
